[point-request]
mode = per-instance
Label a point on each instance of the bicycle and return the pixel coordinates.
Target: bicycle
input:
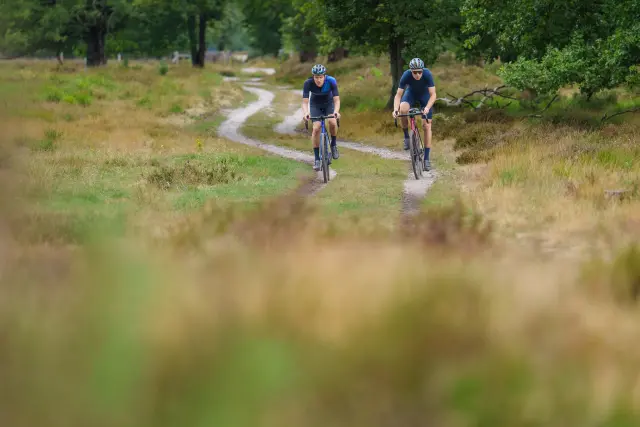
(324, 144)
(416, 145)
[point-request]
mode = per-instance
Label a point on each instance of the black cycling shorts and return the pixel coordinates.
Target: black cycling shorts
(320, 110)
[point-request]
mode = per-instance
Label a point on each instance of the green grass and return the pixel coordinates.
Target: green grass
(81, 186)
(203, 318)
(367, 192)
(114, 160)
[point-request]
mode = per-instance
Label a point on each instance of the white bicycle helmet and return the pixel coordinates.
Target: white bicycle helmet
(416, 64)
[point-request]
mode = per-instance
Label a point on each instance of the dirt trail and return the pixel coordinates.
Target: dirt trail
(413, 190)
(230, 129)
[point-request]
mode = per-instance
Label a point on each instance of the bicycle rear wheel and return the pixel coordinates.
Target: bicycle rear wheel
(415, 157)
(325, 158)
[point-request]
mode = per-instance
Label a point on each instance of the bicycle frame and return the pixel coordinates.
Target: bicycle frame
(412, 118)
(324, 143)
(417, 153)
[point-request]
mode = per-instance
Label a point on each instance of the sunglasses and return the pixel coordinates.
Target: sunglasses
(416, 72)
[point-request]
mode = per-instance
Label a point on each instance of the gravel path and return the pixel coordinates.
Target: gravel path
(230, 129)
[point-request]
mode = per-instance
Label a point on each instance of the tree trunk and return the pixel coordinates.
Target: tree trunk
(396, 64)
(308, 56)
(193, 42)
(202, 40)
(96, 37)
(337, 54)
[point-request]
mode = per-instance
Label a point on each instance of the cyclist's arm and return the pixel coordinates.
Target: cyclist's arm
(336, 105)
(396, 100)
(432, 90)
(432, 98)
(306, 88)
(402, 85)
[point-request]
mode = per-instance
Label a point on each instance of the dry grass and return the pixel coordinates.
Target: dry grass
(265, 319)
(542, 181)
(365, 198)
(312, 333)
(124, 147)
(551, 184)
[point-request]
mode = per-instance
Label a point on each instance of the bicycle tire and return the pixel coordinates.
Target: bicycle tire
(415, 165)
(420, 148)
(325, 159)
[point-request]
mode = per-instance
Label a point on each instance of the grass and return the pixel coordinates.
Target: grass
(149, 279)
(121, 146)
(365, 197)
(543, 180)
(123, 334)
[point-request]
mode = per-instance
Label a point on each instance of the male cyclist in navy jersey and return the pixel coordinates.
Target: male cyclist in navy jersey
(419, 85)
(320, 97)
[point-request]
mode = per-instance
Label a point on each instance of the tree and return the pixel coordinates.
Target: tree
(403, 28)
(199, 12)
(58, 25)
(306, 31)
(31, 26)
(264, 19)
(153, 28)
(165, 21)
(229, 32)
(592, 43)
(301, 30)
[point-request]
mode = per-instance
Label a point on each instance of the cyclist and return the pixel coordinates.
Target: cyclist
(419, 85)
(326, 101)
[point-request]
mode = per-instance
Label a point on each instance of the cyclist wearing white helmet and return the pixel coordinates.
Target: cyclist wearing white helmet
(326, 101)
(419, 85)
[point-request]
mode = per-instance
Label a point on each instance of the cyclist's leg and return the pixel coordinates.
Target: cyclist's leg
(426, 126)
(316, 110)
(405, 103)
(333, 130)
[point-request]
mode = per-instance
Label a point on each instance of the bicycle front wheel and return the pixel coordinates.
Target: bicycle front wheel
(415, 157)
(420, 148)
(325, 157)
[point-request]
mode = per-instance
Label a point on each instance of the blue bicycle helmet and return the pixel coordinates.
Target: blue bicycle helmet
(318, 69)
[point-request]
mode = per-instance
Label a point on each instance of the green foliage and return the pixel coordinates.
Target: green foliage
(229, 33)
(163, 68)
(265, 20)
(78, 90)
(307, 29)
(422, 27)
(154, 28)
(590, 43)
(48, 143)
(192, 173)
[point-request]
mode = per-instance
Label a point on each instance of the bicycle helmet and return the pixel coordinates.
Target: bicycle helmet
(416, 64)
(318, 69)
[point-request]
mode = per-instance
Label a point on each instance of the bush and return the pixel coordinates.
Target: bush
(221, 171)
(163, 68)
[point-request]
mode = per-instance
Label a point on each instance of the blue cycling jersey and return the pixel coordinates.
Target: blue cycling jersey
(323, 94)
(417, 87)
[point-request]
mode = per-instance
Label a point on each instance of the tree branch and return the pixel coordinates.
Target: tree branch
(539, 114)
(607, 117)
(487, 93)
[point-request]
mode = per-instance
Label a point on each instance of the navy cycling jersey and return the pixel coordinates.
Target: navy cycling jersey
(323, 94)
(417, 87)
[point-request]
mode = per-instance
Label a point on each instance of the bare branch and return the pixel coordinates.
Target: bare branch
(487, 93)
(539, 114)
(607, 117)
